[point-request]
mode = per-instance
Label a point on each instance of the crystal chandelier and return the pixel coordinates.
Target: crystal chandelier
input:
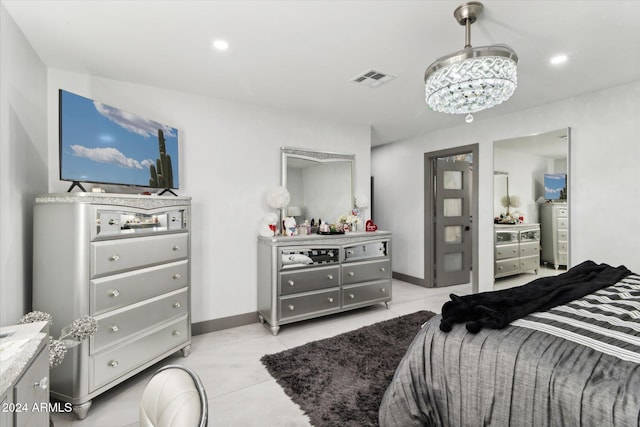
(472, 79)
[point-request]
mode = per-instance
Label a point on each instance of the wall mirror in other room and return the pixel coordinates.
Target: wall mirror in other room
(531, 207)
(320, 184)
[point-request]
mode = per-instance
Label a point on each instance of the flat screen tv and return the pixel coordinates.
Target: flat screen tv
(555, 186)
(105, 145)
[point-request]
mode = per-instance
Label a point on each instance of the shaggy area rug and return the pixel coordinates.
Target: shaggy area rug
(340, 381)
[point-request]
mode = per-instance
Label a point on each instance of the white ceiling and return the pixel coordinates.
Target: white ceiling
(299, 56)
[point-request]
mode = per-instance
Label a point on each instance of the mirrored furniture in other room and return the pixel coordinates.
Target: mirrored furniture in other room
(125, 260)
(554, 220)
(303, 277)
(517, 249)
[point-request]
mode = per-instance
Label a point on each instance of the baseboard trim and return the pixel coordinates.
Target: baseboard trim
(223, 323)
(409, 279)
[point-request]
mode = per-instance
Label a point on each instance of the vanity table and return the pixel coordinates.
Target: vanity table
(304, 277)
(24, 375)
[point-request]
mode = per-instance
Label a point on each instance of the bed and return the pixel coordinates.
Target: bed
(573, 363)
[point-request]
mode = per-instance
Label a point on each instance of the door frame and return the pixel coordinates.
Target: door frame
(429, 237)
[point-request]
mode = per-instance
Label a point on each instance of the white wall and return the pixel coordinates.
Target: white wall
(604, 193)
(229, 158)
(23, 163)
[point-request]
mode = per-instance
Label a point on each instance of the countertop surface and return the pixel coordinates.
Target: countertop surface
(18, 344)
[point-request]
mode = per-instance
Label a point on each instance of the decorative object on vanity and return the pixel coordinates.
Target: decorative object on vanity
(340, 381)
(268, 226)
(362, 203)
(316, 275)
(472, 79)
(70, 336)
(91, 258)
(348, 222)
(96, 141)
(370, 226)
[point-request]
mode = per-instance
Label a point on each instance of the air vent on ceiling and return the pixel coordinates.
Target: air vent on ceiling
(372, 78)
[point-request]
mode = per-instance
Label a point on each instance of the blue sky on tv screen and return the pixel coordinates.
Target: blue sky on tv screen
(100, 143)
(553, 185)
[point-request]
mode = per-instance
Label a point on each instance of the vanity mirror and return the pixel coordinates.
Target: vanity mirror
(320, 184)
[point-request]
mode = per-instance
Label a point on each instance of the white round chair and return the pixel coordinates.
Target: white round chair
(174, 397)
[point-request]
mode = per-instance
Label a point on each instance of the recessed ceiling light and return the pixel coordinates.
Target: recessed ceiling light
(558, 59)
(220, 44)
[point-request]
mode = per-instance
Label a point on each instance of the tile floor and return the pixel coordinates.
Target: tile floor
(240, 390)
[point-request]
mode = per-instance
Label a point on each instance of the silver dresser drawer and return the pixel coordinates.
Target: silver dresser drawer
(365, 250)
(112, 256)
(506, 251)
(124, 323)
(529, 249)
(563, 223)
(119, 290)
(309, 280)
(113, 364)
(530, 263)
(507, 265)
(362, 272)
(366, 293)
(309, 303)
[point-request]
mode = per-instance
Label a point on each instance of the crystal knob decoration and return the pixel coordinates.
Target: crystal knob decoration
(291, 307)
(114, 257)
(177, 247)
(114, 293)
(383, 290)
(176, 333)
(352, 296)
(330, 299)
(113, 364)
(177, 276)
(330, 276)
(351, 274)
(176, 305)
(114, 328)
(383, 269)
(291, 282)
(43, 383)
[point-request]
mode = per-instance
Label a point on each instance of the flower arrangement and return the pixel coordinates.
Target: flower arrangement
(70, 336)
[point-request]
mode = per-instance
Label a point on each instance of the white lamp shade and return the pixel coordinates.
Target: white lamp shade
(294, 211)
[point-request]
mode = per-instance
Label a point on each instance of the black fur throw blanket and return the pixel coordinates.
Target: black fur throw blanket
(496, 309)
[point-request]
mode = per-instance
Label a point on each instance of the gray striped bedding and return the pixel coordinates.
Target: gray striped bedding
(574, 365)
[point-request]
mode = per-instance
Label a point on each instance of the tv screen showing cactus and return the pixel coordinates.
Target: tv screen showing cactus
(103, 144)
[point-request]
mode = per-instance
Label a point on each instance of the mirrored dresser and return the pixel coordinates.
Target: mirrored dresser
(304, 277)
(517, 249)
(124, 260)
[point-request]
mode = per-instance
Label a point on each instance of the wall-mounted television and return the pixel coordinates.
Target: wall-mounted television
(105, 145)
(555, 186)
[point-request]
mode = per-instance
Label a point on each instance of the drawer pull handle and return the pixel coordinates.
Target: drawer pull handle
(330, 276)
(177, 247)
(114, 257)
(114, 328)
(113, 222)
(292, 307)
(350, 252)
(114, 293)
(330, 299)
(383, 269)
(176, 305)
(176, 333)
(352, 296)
(291, 282)
(43, 383)
(177, 276)
(383, 290)
(351, 274)
(113, 364)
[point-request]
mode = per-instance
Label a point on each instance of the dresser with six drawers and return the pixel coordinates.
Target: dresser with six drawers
(124, 260)
(303, 277)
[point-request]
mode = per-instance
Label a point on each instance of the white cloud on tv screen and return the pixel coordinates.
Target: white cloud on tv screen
(131, 122)
(106, 155)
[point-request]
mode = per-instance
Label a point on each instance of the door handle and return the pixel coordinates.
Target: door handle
(467, 228)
